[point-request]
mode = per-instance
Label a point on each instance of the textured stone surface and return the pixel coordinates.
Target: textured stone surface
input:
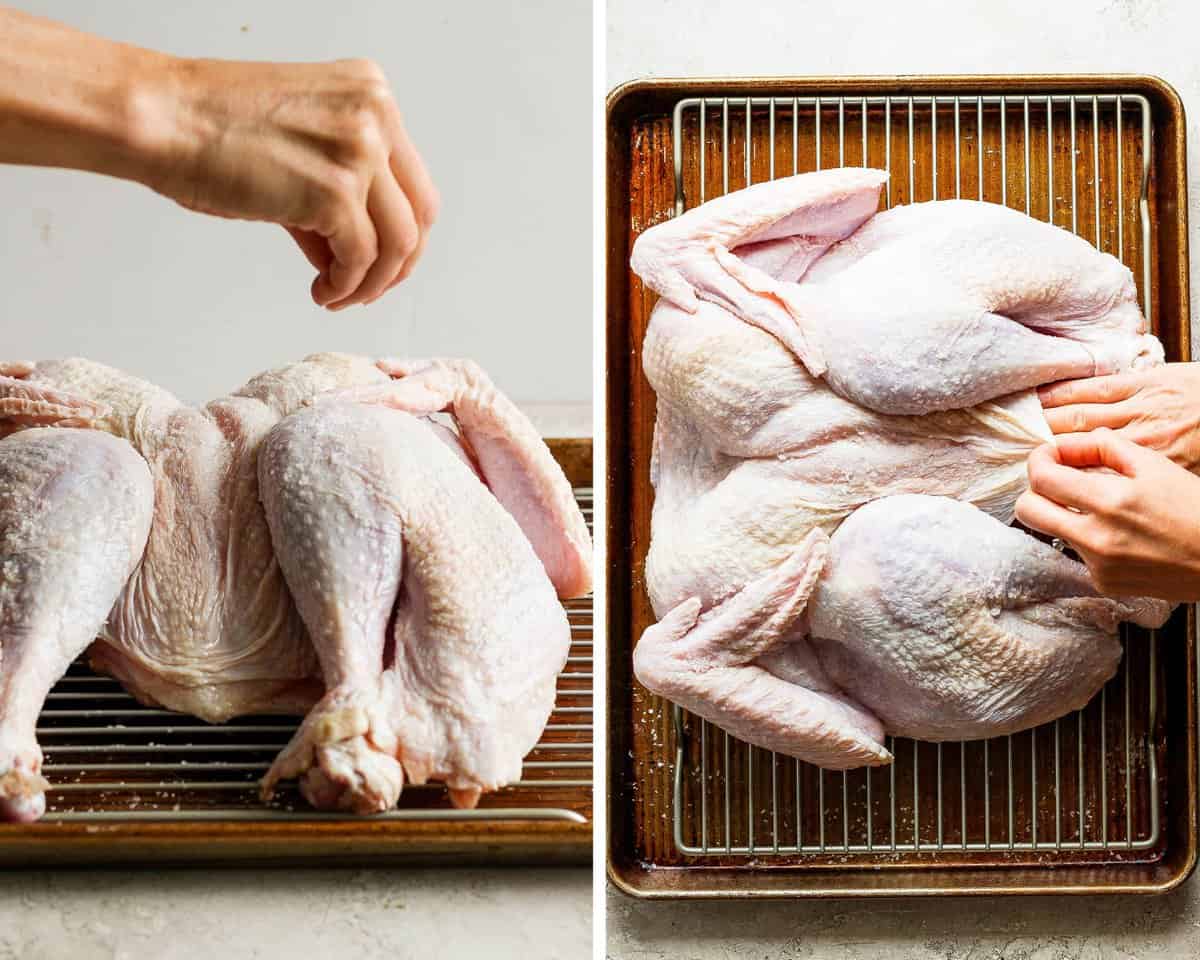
(515, 914)
(671, 38)
(1039, 928)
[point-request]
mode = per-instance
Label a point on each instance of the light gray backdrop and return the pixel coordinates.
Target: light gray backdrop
(497, 97)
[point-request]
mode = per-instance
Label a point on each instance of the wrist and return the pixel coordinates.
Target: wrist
(71, 100)
(152, 129)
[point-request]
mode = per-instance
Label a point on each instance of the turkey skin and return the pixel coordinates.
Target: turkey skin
(846, 401)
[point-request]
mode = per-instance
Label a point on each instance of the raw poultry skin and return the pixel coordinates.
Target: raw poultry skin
(425, 563)
(844, 413)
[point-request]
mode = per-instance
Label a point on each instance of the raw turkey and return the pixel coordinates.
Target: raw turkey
(931, 306)
(315, 543)
(845, 408)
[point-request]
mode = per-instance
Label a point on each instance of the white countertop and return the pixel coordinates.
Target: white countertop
(674, 38)
(500, 914)
(1019, 928)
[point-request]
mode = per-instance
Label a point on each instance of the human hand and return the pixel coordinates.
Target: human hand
(318, 148)
(1157, 408)
(1131, 514)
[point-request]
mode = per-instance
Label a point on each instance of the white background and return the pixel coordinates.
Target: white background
(496, 97)
(672, 38)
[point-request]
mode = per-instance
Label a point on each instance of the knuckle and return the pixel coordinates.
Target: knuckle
(406, 241)
(377, 94)
(372, 94)
(367, 70)
(362, 134)
(375, 107)
(1105, 505)
(427, 208)
(340, 189)
(1104, 502)
(1122, 501)
(1116, 507)
(1105, 543)
(397, 243)
(365, 252)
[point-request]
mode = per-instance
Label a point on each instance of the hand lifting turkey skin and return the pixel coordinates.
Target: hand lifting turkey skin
(845, 407)
(311, 543)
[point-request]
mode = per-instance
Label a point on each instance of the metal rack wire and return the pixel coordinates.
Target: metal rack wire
(1088, 782)
(110, 758)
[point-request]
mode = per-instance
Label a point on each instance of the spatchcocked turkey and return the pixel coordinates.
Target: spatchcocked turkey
(314, 543)
(845, 407)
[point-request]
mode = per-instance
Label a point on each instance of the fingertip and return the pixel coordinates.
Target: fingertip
(1021, 507)
(1067, 448)
(1047, 394)
(396, 281)
(411, 261)
(317, 290)
(341, 295)
(426, 202)
(325, 292)
(1057, 419)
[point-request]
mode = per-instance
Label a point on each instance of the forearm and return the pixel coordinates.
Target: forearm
(318, 148)
(69, 99)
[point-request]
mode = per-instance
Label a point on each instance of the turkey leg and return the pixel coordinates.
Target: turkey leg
(710, 663)
(75, 510)
(339, 542)
(954, 626)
